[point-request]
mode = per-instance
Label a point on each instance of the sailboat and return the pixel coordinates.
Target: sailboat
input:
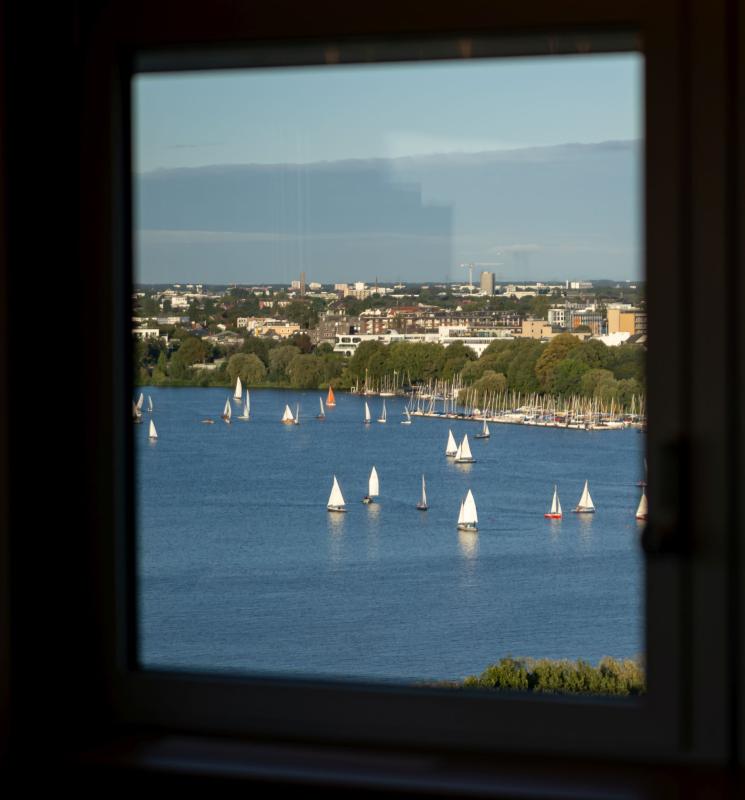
(373, 487)
(468, 518)
(422, 504)
(336, 498)
(641, 511)
(585, 505)
(150, 404)
(330, 399)
(406, 421)
(226, 412)
(384, 416)
(287, 417)
(555, 512)
(451, 448)
(463, 454)
(644, 481)
(297, 414)
(368, 419)
(136, 415)
(484, 432)
(140, 401)
(238, 393)
(153, 433)
(322, 415)
(246, 410)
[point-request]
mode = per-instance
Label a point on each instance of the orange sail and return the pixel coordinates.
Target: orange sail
(330, 399)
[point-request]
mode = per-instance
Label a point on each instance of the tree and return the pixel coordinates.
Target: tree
(592, 378)
(488, 385)
(248, 367)
(258, 345)
(568, 377)
(279, 359)
(556, 351)
(305, 371)
(302, 342)
(191, 350)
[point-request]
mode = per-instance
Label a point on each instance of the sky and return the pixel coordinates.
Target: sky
(302, 116)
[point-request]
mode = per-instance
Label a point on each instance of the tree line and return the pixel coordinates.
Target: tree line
(564, 366)
(549, 676)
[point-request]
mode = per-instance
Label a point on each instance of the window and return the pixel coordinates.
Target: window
(691, 583)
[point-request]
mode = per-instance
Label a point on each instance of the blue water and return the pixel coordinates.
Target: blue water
(241, 567)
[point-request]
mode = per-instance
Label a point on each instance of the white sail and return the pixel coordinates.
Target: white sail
(555, 504)
(135, 411)
(367, 412)
(140, 401)
(585, 502)
(297, 414)
(464, 450)
(383, 415)
(461, 515)
(150, 404)
(373, 485)
(244, 415)
(424, 493)
(320, 401)
(336, 498)
(485, 429)
(287, 416)
(641, 511)
(248, 404)
(226, 411)
(153, 433)
(457, 453)
(451, 448)
(470, 517)
(238, 394)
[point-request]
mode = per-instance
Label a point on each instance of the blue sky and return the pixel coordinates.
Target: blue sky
(304, 115)
(191, 123)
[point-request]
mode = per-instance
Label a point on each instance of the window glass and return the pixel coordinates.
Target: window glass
(389, 331)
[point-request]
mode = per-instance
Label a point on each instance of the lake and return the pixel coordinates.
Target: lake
(242, 568)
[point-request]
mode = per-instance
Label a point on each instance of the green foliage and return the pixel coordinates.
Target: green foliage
(279, 359)
(489, 384)
(190, 351)
(548, 676)
(305, 371)
(259, 346)
(248, 366)
(556, 351)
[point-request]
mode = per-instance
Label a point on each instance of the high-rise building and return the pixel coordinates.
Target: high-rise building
(487, 283)
(302, 284)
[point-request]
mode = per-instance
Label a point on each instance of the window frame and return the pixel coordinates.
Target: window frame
(689, 538)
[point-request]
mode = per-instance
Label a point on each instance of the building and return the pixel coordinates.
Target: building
(589, 318)
(145, 333)
(486, 282)
(536, 329)
(627, 320)
(557, 316)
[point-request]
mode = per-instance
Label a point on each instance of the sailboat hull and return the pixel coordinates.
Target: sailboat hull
(482, 436)
(580, 510)
(338, 509)
(367, 500)
(467, 526)
(552, 516)
(422, 507)
(465, 460)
